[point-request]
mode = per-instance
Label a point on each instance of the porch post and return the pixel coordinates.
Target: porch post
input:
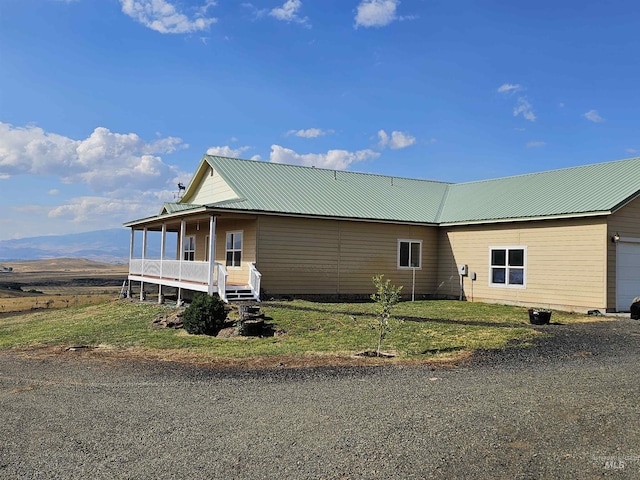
(183, 231)
(131, 245)
(212, 251)
(144, 254)
(162, 245)
(130, 259)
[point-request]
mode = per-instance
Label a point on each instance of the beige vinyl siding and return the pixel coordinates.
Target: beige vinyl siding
(212, 189)
(246, 226)
(301, 256)
(565, 262)
(625, 222)
(239, 276)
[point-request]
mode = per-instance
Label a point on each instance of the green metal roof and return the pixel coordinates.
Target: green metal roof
(274, 187)
(588, 189)
(278, 188)
(171, 207)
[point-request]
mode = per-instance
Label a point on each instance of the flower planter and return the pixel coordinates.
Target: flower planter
(539, 317)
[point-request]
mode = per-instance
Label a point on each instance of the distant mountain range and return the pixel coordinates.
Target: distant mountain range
(110, 246)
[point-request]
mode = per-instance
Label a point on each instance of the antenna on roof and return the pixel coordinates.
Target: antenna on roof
(335, 175)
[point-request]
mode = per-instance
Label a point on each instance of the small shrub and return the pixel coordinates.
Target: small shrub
(205, 316)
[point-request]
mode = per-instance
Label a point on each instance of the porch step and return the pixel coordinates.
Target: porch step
(239, 294)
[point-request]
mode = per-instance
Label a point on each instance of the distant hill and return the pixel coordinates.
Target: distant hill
(110, 246)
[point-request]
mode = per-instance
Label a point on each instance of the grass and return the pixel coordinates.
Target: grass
(25, 301)
(428, 329)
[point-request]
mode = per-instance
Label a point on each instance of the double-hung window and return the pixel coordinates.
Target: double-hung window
(508, 266)
(234, 249)
(189, 248)
(409, 253)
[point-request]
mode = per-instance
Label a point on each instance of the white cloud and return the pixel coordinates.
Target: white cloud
(333, 159)
(396, 141)
(54, 191)
(593, 116)
(535, 144)
(509, 88)
(376, 13)
(162, 16)
(309, 133)
(524, 107)
(227, 151)
(288, 12)
(632, 150)
(105, 161)
(256, 12)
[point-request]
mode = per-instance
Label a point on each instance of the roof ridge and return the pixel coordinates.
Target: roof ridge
(443, 203)
(262, 162)
(554, 170)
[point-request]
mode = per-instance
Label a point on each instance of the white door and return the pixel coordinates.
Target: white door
(627, 274)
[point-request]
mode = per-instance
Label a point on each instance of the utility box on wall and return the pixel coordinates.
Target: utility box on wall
(463, 269)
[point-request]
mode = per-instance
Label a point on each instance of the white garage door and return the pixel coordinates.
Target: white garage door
(627, 274)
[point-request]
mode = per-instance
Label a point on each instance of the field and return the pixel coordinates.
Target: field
(58, 283)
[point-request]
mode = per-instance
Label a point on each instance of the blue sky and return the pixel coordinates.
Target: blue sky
(106, 104)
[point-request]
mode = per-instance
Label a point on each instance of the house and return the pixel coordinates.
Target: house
(566, 239)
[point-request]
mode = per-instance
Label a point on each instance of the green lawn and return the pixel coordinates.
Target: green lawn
(421, 330)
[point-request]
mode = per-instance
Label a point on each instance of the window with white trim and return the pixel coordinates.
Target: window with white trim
(508, 266)
(409, 253)
(189, 248)
(234, 249)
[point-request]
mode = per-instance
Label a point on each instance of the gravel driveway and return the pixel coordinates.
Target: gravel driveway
(566, 407)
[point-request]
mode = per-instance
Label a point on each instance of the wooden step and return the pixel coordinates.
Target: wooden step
(239, 294)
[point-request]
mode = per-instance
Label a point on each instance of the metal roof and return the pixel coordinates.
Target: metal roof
(172, 207)
(288, 189)
(576, 191)
(274, 187)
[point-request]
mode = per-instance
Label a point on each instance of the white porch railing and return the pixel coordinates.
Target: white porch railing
(170, 269)
(175, 271)
(255, 277)
(222, 280)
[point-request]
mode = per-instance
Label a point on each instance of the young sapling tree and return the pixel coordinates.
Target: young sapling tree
(386, 297)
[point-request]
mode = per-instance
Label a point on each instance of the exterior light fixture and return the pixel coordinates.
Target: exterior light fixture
(615, 238)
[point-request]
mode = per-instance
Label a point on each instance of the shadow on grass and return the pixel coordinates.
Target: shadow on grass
(444, 321)
(433, 351)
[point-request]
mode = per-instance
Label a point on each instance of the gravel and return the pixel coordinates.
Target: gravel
(564, 407)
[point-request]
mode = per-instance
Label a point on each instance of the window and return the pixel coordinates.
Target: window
(206, 248)
(507, 266)
(189, 248)
(234, 249)
(409, 253)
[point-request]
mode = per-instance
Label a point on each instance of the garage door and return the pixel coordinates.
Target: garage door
(627, 274)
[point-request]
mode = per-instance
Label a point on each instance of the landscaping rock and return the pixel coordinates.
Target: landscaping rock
(173, 320)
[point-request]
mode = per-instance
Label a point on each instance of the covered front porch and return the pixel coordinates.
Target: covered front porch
(177, 251)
